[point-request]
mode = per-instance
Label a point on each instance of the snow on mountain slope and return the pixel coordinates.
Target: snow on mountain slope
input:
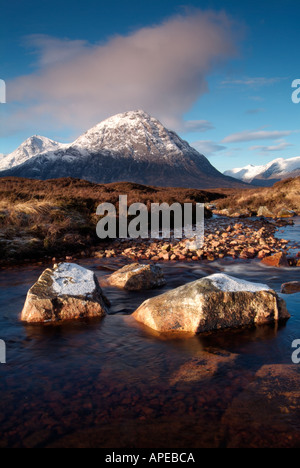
(132, 146)
(137, 135)
(30, 148)
(269, 173)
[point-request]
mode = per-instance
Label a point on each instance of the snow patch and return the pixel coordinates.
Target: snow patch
(70, 279)
(229, 284)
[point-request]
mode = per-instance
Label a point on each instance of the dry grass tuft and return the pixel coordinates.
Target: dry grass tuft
(283, 195)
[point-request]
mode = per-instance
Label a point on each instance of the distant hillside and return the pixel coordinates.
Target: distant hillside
(268, 174)
(284, 195)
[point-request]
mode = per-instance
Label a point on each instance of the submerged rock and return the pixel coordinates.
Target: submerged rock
(215, 302)
(267, 413)
(291, 287)
(135, 277)
(68, 291)
(203, 367)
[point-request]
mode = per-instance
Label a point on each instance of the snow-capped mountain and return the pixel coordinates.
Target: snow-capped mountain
(30, 148)
(268, 174)
(132, 146)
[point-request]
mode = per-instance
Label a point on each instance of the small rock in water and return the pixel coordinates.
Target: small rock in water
(277, 260)
(215, 302)
(68, 291)
(265, 212)
(285, 213)
(291, 287)
(136, 276)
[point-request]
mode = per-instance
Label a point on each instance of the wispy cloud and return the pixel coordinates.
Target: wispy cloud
(161, 69)
(256, 135)
(259, 110)
(256, 98)
(252, 82)
(197, 126)
(207, 147)
(270, 149)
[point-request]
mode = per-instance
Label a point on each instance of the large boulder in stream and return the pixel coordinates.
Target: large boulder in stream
(215, 302)
(136, 277)
(68, 291)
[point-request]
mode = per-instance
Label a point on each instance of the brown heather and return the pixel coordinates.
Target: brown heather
(283, 195)
(58, 217)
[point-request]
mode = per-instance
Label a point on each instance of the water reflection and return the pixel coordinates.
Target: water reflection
(114, 383)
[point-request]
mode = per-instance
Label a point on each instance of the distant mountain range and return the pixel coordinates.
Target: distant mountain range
(132, 147)
(267, 175)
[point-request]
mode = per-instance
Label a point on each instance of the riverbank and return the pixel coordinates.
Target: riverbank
(224, 238)
(44, 219)
(51, 221)
(282, 200)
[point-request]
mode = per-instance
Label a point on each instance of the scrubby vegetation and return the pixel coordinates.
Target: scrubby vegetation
(284, 195)
(58, 217)
(46, 218)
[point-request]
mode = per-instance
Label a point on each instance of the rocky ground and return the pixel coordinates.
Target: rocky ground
(224, 237)
(245, 238)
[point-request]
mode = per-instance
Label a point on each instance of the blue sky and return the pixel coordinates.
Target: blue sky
(221, 79)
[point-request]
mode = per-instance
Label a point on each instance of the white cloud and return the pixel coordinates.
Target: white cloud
(256, 135)
(207, 147)
(161, 69)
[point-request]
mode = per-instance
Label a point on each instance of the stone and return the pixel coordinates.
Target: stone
(248, 253)
(291, 287)
(284, 213)
(137, 276)
(277, 260)
(203, 367)
(66, 292)
(265, 212)
(263, 253)
(215, 302)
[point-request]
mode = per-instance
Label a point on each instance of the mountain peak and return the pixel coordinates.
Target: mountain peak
(135, 135)
(132, 146)
(126, 119)
(31, 147)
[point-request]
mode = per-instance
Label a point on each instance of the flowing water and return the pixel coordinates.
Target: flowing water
(112, 383)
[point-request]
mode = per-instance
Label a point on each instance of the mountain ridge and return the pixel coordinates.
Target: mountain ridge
(268, 174)
(132, 147)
